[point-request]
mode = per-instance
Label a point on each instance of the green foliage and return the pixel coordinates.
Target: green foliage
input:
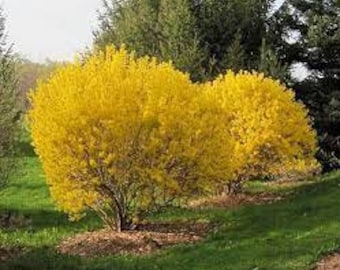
(179, 40)
(9, 114)
(316, 28)
(235, 54)
(236, 26)
(28, 73)
(270, 65)
(203, 38)
(161, 28)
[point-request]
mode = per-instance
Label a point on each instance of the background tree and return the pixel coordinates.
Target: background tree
(310, 34)
(235, 56)
(228, 25)
(161, 28)
(203, 38)
(179, 40)
(9, 114)
(28, 74)
(270, 65)
(129, 22)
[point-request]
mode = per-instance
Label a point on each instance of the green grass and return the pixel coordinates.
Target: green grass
(290, 234)
(27, 195)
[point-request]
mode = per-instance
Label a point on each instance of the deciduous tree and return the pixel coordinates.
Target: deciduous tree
(314, 30)
(9, 114)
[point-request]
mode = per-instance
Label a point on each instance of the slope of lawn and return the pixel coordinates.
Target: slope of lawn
(291, 234)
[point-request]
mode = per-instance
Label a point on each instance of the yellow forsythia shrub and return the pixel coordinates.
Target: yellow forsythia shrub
(121, 136)
(270, 131)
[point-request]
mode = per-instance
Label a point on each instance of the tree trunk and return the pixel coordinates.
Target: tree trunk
(233, 188)
(122, 221)
(119, 223)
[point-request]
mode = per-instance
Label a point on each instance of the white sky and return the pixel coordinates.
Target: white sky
(53, 29)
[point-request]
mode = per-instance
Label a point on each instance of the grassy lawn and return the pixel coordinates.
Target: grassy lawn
(291, 234)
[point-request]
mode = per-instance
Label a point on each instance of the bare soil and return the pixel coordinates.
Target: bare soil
(105, 243)
(232, 201)
(330, 262)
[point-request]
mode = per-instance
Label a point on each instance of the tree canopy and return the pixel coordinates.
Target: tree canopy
(9, 114)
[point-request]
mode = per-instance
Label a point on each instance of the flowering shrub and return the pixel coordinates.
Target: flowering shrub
(271, 133)
(123, 136)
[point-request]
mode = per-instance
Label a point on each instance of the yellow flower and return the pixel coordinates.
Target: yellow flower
(126, 124)
(271, 131)
(117, 124)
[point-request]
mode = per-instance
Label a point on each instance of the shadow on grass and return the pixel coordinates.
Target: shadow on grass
(42, 258)
(48, 259)
(25, 149)
(36, 220)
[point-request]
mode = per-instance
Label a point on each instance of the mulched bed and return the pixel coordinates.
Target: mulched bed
(231, 201)
(148, 238)
(330, 262)
(104, 243)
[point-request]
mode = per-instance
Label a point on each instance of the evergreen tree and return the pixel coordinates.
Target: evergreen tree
(233, 26)
(132, 23)
(235, 56)
(270, 65)
(203, 38)
(315, 27)
(179, 40)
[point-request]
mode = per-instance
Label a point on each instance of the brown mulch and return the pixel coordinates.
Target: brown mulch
(148, 238)
(330, 262)
(231, 201)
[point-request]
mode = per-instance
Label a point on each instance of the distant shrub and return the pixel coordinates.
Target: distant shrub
(270, 131)
(124, 136)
